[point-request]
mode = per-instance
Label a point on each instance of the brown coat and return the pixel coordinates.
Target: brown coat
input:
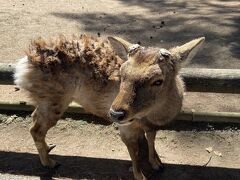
(137, 87)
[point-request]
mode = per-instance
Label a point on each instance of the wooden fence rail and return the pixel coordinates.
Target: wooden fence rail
(197, 80)
(184, 115)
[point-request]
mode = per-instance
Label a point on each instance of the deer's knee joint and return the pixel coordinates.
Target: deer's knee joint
(37, 131)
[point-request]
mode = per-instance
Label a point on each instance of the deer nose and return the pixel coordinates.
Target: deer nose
(117, 115)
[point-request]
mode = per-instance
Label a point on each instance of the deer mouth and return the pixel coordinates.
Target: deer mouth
(125, 123)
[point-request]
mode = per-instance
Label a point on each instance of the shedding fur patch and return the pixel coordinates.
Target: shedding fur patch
(88, 53)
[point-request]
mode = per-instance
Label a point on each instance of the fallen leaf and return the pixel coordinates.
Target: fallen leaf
(209, 149)
(217, 153)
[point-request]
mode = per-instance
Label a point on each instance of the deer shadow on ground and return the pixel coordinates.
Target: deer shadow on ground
(77, 167)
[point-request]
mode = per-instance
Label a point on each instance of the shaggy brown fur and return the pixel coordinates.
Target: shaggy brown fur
(89, 53)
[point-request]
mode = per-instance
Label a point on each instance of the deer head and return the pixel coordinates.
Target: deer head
(147, 76)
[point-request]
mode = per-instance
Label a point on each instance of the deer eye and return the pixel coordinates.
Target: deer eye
(157, 82)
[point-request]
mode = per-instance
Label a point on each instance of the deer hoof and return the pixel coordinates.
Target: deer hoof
(51, 164)
(159, 168)
(50, 147)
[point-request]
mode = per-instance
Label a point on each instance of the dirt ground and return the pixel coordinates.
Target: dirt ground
(153, 22)
(90, 150)
(162, 23)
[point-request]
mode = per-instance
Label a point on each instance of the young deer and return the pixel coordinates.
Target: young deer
(137, 87)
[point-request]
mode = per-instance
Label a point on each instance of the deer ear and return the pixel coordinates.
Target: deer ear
(186, 52)
(120, 46)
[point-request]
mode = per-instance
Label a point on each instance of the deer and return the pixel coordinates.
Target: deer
(139, 88)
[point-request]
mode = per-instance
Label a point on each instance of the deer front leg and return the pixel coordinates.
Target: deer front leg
(130, 136)
(153, 156)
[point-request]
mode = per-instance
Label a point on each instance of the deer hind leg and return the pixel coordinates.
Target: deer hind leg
(153, 156)
(44, 117)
